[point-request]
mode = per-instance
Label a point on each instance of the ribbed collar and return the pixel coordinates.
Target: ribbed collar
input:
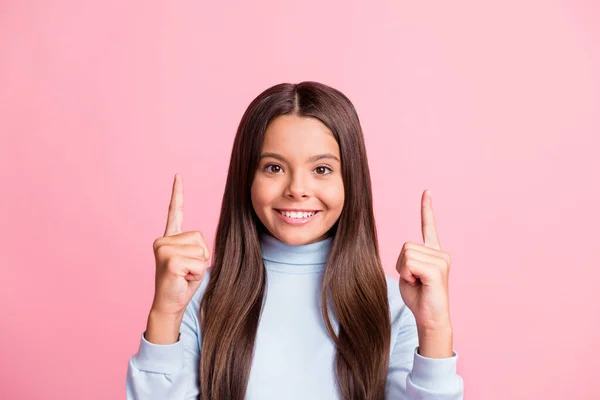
(304, 258)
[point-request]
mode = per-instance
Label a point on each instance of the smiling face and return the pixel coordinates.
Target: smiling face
(298, 191)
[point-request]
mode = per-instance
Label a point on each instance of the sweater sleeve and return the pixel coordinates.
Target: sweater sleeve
(414, 377)
(159, 371)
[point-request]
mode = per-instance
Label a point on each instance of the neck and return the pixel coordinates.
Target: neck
(303, 258)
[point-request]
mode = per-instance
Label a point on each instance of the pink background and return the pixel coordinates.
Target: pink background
(494, 106)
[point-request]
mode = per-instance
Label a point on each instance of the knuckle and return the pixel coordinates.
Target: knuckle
(443, 267)
(175, 206)
(447, 265)
(399, 267)
(446, 261)
(448, 258)
(165, 254)
(172, 264)
(160, 252)
(200, 252)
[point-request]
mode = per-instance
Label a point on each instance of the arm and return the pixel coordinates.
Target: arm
(422, 362)
(412, 376)
(167, 371)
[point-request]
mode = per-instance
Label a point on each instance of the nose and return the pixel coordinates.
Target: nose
(297, 187)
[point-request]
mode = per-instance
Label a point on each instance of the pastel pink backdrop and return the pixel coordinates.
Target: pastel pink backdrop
(494, 106)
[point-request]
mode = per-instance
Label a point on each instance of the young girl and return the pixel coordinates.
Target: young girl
(295, 303)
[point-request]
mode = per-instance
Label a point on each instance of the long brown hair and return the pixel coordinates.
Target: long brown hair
(354, 284)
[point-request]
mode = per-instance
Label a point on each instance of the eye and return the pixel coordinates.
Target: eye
(322, 168)
(276, 167)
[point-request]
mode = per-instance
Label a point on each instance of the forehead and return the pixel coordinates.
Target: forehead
(293, 135)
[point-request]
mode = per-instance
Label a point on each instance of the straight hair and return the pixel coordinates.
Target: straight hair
(354, 287)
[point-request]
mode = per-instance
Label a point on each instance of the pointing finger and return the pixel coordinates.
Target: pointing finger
(428, 227)
(175, 216)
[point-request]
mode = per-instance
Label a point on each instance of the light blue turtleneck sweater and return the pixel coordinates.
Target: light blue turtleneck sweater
(293, 354)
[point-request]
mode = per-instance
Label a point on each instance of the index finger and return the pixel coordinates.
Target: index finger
(428, 227)
(175, 216)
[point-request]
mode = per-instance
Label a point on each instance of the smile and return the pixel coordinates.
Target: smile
(297, 217)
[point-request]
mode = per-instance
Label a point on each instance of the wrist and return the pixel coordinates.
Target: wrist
(163, 328)
(444, 328)
(166, 316)
(436, 343)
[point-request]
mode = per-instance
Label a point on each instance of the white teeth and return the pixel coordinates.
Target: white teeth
(297, 215)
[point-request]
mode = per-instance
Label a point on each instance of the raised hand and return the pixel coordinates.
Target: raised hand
(424, 270)
(181, 260)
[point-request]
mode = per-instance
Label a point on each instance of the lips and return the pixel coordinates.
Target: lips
(295, 210)
(297, 221)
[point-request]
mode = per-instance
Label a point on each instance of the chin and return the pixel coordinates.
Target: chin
(300, 238)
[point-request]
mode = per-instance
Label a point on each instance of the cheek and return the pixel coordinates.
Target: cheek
(333, 195)
(262, 193)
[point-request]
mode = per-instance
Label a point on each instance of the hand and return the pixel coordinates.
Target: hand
(181, 260)
(424, 271)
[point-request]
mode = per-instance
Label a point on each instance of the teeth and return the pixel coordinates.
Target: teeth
(297, 215)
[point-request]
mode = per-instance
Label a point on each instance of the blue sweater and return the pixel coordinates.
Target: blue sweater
(293, 354)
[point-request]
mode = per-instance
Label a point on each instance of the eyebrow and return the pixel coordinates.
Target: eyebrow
(311, 159)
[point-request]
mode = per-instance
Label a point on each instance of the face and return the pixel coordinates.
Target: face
(297, 191)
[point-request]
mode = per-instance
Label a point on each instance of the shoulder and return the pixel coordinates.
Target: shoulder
(394, 297)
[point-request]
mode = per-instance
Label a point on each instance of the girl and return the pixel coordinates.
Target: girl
(295, 303)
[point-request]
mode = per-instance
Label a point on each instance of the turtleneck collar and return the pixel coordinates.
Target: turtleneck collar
(286, 258)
